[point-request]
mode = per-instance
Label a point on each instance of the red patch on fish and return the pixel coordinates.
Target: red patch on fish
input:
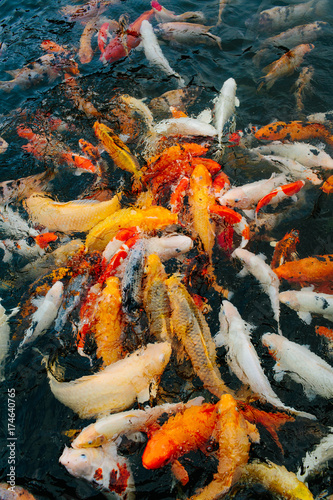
(119, 485)
(98, 476)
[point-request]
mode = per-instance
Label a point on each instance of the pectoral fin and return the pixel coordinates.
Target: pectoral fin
(305, 316)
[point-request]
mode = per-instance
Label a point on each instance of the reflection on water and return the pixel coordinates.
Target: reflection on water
(40, 419)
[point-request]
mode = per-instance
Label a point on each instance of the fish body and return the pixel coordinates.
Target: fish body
(154, 52)
(13, 225)
(84, 12)
(306, 154)
(163, 15)
(8, 492)
(193, 332)
(310, 270)
(323, 118)
(147, 219)
(315, 460)
(242, 357)
(13, 190)
(183, 32)
(307, 302)
(235, 219)
(138, 107)
(85, 51)
(255, 265)
(45, 314)
(285, 65)
(77, 215)
(102, 467)
(117, 149)
(182, 99)
(279, 194)
(200, 198)
(327, 187)
(33, 73)
(303, 85)
(131, 290)
(185, 126)
(181, 434)
(168, 247)
(76, 94)
(276, 479)
(294, 131)
(294, 168)
(248, 195)
(111, 427)
(285, 249)
(224, 107)
(97, 394)
(302, 365)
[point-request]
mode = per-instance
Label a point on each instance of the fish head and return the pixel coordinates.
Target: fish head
(289, 298)
(88, 438)
(158, 453)
(273, 342)
(79, 463)
(159, 355)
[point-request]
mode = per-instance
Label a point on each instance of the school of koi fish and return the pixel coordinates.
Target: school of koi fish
(150, 308)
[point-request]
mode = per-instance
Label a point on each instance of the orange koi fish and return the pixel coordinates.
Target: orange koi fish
(181, 434)
(221, 184)
(85, 51)
(279, 194)
(235, 436)
(120, 46)
(80, 162)
(89, 150)
(237, 220)
(117, 149)
(294, 131)
(325, 332)
(317, 269)
(327, 187)
(44, 239)
(74, 92)
(285, 249)
(177, 113)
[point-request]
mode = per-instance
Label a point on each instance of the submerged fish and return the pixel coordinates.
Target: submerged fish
(188, 33)
(224, 106)
(162, 14)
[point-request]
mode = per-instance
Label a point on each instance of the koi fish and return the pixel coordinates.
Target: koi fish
(45, 314)
(111, 427)
(256, 265)
(284, 66)
(117, 149)
(293, 131)
(200, 199)
(181, 434)
(302, 86)
(75, 93)
(168, 246)
(317, 459)
(302, 365)
(193, 332)
(83, 12)
(306, 154)
(78, 215)
(285, 249)
(235, 219)
(325, 332)
(276, 478)
(4, 337)
(153, 51)
(131, 291)
(178, 195)
(307, 302)
(324, 118)
(14, 225)
(162, 14)
(310, 270)
(146, 219)
(234, 435)
(242, 358)
(89, 150)
(3, 145)
(120, 47)
(188, 33)
(102, 467)
(327, 187)
(95, 395)
(33, 73)
(85, 51)
(279, 194)
(138, 107)
(18, 493)
(224, 106)
(185, 126)
(182, 99)
(81, 163)
(294, 168)
(221, 184)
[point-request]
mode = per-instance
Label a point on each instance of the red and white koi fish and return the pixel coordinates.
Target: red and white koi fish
(154, 52)
(301, 364)
(238, 222)
(178, 194)
(279, 194)
(221, 184)
(102, 467)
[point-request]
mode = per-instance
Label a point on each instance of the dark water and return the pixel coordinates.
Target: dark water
(40, 419)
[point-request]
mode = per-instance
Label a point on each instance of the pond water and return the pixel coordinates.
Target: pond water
(41, 421)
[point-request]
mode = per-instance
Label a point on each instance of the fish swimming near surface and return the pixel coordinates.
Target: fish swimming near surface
(294, 131)
(164, 15)
(279, 194)
(316, 460)
(4, 337)
(97, 395)
(307, 302)
(224, 106)
(303, 86)
(284, 66)
(310, 270)
(301, 364)
(188, 33)
(294, 169)
(285, 249)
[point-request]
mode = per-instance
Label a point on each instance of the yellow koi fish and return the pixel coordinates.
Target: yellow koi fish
(77, 215)
(146, 219)
(200, 198)
(117, 149)
(193, 332)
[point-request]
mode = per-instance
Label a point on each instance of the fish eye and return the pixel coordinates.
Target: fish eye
(83, 455)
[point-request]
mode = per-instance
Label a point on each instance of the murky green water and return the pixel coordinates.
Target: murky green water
(40, 418)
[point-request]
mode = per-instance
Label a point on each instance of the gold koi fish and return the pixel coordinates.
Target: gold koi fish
(146, 219)
(77, 215)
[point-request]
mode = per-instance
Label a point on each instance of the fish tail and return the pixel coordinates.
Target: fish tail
(7, 86)
(262, 82)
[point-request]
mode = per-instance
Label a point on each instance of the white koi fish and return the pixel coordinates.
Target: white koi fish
(154, 53)
(4, 337)
(224, 107)
(306, 154)
(307, 302)
(170, 246)
(269, 281)
(294, 168)
(302, 365)
(316, 459)
(13, 225)
(185, 126)
(242, 357)
(128, 422)
(248, 195)
(46, 313)
(324, 118)
(104, 468)
(189, 33)
(162, 14)
(98, 394)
